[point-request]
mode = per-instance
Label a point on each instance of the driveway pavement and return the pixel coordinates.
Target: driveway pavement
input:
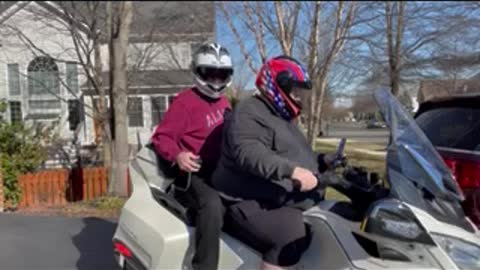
(55, 243)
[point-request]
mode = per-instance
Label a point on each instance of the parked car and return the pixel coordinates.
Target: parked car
(453, 126)
(375, 124)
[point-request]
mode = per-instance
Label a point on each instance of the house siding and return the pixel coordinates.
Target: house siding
(57, 42)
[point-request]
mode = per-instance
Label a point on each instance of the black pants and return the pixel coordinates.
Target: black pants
(279, 234)
(208, 212)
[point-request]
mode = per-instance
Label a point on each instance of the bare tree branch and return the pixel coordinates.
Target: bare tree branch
(239, 40)
(284, 42)
(255, 28)
(292, 24)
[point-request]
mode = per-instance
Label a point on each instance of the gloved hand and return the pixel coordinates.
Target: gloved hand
(333, 161)
(358, 176)
(330, 178)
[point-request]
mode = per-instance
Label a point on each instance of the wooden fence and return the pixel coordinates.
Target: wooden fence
(57, 187)
(43, 188)
(94, 182)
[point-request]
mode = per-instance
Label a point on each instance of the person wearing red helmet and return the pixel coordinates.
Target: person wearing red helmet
(264, 158)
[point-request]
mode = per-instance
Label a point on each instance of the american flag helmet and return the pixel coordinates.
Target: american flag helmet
(276, 79)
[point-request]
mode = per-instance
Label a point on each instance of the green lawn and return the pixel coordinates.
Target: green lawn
(373, 163)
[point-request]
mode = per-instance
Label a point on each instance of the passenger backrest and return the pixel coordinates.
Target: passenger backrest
(149, 165)
(156, 172)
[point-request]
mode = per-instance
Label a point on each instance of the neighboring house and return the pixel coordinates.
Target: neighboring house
(51, 88)
(439, 89)
(364, 106)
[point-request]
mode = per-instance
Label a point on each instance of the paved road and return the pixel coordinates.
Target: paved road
(359, 133)
(28, 242)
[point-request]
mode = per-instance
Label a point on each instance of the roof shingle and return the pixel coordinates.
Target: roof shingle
(432, 90)
(152, 20)
(153, 79)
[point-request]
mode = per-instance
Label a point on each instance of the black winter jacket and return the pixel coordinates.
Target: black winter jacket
(259, 153)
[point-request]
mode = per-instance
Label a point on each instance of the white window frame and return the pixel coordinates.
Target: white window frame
(9, 103)
(142, 112)
(167, 105)
(19, 95)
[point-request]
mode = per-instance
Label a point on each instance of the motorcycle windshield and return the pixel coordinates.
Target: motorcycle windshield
(416, 172)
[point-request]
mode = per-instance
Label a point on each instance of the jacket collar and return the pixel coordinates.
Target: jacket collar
(263, 99)
(274, 110)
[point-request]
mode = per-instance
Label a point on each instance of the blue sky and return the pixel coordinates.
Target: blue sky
(242, 72)
(359, 68)
(227, 39)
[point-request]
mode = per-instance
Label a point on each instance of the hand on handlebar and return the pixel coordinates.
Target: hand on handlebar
(333, 161)
(305, 178)
(330, 178)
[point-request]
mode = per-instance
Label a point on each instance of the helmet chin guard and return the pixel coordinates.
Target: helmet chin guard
(211, 90)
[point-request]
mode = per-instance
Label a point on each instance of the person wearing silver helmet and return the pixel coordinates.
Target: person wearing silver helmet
(190, 131)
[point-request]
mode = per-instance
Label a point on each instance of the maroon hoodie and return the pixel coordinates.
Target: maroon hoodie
(193, 123)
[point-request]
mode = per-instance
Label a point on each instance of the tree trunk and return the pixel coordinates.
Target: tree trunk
(394, 43)
(111, 64)
(310, 113)
(111, 114)
(118, 186)
(395, 82)
(103, 107)
(307, 98)
(320, 106)
(316, 112)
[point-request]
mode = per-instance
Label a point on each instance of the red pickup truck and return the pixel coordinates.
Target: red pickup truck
(453, 126)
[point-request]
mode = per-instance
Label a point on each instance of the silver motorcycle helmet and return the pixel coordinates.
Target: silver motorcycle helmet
(213, 69)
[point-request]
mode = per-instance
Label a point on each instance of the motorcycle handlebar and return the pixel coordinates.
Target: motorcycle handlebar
(322, 182)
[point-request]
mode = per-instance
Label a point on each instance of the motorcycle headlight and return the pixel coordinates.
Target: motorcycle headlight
(465, 255)
(390, 218)
(399, 227)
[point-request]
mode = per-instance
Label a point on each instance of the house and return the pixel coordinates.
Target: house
(431, 90)
(42, 81)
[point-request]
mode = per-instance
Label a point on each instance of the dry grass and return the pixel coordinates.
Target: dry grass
(373, 163)
(104, 207)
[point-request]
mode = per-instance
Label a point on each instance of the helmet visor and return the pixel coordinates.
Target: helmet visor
(214, 75)
(305, 85)
(298, 86)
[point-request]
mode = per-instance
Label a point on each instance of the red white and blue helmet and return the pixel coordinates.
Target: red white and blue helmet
(277, 78)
